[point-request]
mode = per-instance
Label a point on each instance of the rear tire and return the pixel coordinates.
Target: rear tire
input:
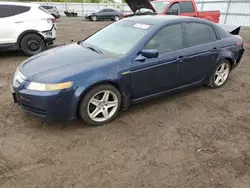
(100, 105)
(32, 44)
(220, 74)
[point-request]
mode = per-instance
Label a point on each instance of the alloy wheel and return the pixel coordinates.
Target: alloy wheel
(221, 74)
(102, 106)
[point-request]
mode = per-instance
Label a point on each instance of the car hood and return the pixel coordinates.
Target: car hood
(138, 4)
(71, 57)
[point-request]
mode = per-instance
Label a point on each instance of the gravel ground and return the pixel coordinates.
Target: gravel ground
(195, 139)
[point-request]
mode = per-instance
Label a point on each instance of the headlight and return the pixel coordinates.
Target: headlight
(48, 87)
(18, 78)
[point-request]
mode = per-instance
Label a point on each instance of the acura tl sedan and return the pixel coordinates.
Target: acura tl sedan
(127, 62)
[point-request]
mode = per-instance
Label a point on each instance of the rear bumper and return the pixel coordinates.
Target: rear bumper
(238, 60)
(49, 35)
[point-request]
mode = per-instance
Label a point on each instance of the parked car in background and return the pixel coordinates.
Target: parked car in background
(127, 62)
(25, 26)
(174, 7)
(52, 10)
(104, 14)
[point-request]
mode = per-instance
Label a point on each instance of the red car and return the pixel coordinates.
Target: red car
(174, 7)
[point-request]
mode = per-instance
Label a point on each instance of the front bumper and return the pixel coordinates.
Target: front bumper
(54, 105)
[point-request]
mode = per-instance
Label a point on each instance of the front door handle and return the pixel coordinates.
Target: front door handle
(215, 49)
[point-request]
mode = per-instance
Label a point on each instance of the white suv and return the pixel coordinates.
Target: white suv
(25, 26)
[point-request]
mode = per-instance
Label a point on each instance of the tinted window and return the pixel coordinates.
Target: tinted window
(222, 33)
(110, 10)
(186, 7)
(19, 9)
(167, 39)
(175, 6)
(5, 11)
(105, 10)
(199, 34)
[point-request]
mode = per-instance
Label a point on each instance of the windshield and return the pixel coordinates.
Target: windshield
(160, 6)
(118, 38)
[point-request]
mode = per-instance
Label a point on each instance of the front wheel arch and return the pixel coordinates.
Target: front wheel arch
(82, 95)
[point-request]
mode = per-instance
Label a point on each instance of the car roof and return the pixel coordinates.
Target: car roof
(20, 4)
(163, 19)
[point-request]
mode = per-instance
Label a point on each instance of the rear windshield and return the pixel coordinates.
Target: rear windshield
(42, 9)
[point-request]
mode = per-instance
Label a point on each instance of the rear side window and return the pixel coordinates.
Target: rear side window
(5, 11)
(197, 33)
(186, 7)
(167, 39)
(15, 10)
(9, 10)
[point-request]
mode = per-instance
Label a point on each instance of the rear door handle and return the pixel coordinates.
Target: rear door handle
(180, 58)
(19, 22)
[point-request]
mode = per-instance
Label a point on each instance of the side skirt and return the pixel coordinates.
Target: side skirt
(156, 95)
(10, 46)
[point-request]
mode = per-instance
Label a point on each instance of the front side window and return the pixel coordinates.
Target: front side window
(118, 38)
(175, 6)
(186, 7)
(198, 33)
(167, 39)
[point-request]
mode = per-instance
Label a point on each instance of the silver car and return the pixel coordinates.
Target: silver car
(52, 10)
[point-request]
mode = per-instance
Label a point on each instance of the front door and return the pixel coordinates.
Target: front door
(187, 9)
(202, 51)
(160, 74)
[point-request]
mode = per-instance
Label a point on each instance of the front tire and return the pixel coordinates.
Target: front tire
(220, 74)
(116, 18)
(100, 105)
(32, 44)
(94, 18)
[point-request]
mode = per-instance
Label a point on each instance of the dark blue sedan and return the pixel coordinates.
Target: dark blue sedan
(127, 62)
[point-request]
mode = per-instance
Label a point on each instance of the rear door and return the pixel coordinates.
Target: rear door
(13, 22)
(202, 51)
(160, 74)
(187, 9)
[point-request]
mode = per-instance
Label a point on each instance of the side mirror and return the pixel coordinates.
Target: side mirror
(150, 53)
(173, 11)
(147, 54)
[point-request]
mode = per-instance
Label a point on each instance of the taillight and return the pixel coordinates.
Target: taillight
(49, 20)
(241, 44)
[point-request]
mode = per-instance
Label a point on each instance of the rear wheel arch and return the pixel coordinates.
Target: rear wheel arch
(26, 33)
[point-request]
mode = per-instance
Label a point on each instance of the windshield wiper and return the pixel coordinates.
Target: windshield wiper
(95, 50)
